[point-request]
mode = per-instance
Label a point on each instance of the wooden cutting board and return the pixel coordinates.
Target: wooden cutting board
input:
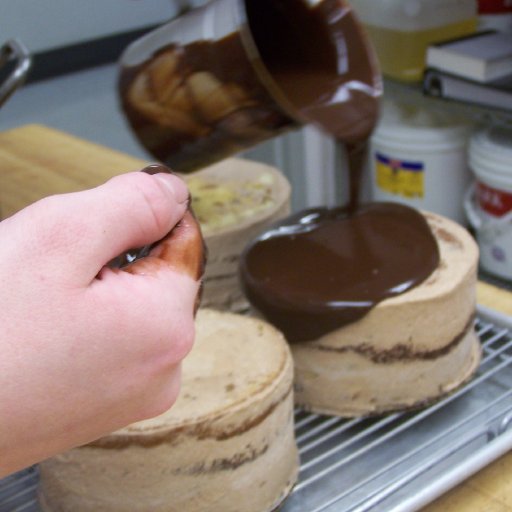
(36, 161)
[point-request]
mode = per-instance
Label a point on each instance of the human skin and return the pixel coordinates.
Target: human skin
(84, 349)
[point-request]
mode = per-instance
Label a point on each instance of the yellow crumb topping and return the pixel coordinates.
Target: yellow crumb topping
(221, 205)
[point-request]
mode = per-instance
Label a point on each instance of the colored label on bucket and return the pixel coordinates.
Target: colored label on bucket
(399, 177)
(493, 201)
(494, 6)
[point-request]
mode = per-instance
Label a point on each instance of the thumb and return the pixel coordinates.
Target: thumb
(74, 235)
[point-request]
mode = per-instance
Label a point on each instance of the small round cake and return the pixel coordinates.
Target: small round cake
(234, 201)
(227, 445)
(355, 356)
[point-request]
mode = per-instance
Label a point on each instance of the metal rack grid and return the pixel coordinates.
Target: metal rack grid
(398, 462)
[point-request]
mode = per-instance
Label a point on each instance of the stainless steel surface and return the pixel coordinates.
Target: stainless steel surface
(398, 462)
(13, 50)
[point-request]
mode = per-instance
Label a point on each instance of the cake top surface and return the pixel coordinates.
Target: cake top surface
(236, 360)
(236, 193)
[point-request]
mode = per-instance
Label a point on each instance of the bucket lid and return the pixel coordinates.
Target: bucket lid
(410, 123)
(490, 152)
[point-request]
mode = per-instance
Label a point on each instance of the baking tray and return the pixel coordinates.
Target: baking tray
(397, 462)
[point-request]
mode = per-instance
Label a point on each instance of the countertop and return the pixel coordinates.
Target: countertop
(36, 161)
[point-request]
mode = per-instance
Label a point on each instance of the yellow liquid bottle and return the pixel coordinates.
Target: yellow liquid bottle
(402, 54)
(402, 30)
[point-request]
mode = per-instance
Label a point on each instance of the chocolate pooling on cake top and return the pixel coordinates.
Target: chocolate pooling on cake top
(324, 268)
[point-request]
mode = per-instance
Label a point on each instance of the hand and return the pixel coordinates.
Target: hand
(84, 349)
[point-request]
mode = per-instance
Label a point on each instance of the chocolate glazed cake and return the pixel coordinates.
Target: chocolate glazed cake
(226, 446)
(377, 319)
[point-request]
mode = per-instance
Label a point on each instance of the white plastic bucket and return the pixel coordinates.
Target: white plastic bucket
(489, 200)
(418, 157)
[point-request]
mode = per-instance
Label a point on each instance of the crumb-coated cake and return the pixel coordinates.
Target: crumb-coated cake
(234, 200)
(227, 445)
(412, 346)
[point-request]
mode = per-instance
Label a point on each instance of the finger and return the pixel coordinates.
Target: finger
(76, 234)
(182, 250)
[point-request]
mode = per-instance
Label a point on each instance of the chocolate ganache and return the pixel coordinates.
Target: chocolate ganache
(320, 62)
(323, 268)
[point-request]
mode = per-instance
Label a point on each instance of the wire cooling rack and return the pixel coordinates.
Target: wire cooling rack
(398, 462)
(401, 462)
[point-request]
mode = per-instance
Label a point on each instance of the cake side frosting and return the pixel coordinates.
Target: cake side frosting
(408, 350)
(350, 384)
(227, 445)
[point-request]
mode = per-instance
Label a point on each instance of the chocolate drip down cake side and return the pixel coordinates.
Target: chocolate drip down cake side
(378, 305)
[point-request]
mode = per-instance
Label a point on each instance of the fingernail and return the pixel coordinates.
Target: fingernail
(157, 168)
(176, 185)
